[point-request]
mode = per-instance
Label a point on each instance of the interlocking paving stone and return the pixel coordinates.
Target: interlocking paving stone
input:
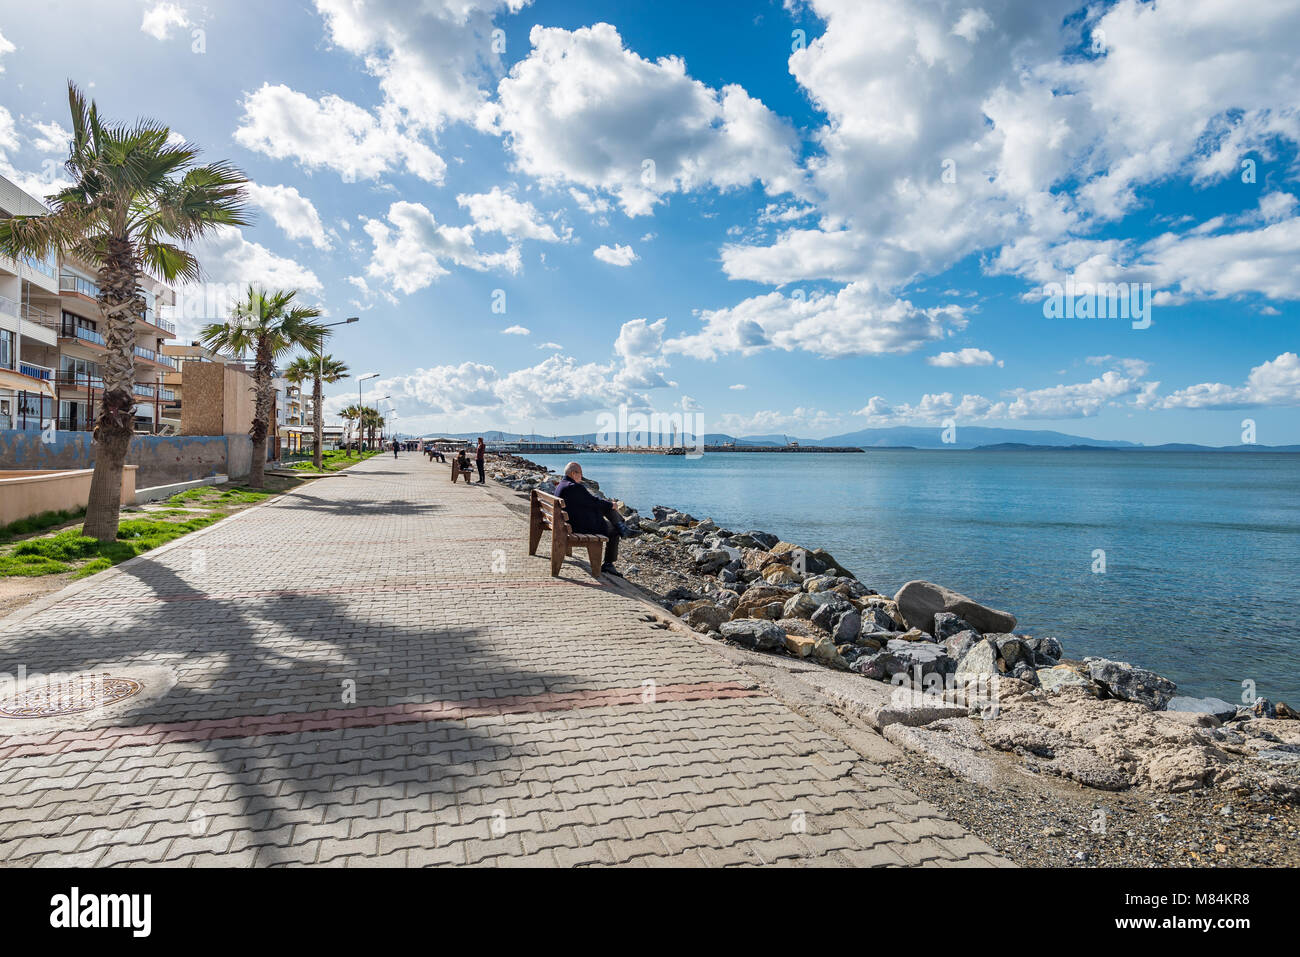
(371, 671)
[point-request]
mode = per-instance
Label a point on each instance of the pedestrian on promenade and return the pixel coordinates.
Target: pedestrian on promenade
(395, 448)
(479, 455)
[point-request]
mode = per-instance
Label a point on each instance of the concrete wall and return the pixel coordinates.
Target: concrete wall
(24, 494)
(162, 460)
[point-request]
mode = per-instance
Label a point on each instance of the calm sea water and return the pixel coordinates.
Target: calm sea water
(1202, 550)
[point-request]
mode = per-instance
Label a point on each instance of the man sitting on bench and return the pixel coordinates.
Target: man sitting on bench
(589, 515)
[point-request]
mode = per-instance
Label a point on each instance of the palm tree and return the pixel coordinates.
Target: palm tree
(373, 421)
(269, 326)
(353, 414)
(137, 199)
(320, 369)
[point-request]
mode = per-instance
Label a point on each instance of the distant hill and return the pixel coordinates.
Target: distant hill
(908, 437)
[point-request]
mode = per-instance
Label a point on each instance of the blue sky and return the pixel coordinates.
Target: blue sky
(849, 226)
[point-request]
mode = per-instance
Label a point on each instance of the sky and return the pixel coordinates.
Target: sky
(805, 218)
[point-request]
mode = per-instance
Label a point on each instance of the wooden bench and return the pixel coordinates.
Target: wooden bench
(457, 471)
(546, 512)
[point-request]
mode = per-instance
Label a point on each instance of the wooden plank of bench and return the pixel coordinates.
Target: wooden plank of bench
(547, 512)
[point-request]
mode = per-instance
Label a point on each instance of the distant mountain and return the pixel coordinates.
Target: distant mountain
(1168, 447)
(967, 437)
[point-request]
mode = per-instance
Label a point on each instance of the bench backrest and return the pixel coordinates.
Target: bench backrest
(549, 504)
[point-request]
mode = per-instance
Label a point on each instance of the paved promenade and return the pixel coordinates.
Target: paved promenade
(370, 671)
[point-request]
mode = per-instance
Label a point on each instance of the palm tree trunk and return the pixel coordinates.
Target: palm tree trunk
(262, 370)
(119, 305)
(316, 396)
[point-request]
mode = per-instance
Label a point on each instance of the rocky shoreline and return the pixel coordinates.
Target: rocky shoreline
(966, 691)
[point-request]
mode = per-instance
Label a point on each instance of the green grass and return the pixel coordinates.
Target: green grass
(38, 523)
(209, 497)
(333, 461)
(71, 551)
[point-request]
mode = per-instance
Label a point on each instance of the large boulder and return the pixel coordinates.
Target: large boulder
(802, 605)
(707, 561)
(904, 657)
(875, 618)
(753, 633)
(981, 659)
(919, 601)
(781, 575)
(1217, 707)
(758, 597)
(706, 617)
(1122, 680)
(946, 624)
(1056, 679)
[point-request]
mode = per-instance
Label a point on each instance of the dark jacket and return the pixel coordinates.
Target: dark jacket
(586, 512)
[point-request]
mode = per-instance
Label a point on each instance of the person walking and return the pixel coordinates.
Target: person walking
(395, 447)
(479, 454)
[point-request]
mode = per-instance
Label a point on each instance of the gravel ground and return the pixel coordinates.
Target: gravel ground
(1045, 822)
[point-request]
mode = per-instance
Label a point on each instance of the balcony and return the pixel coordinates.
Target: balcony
(145, 391)
(78, 380)
(78, 286)
(69, 424)
(167, 361)
(35, 371)
(143, 353)
(72, 331)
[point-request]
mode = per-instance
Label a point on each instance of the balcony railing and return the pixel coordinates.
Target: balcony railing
(35, 371)
(79, 380)
(78, 285)
(144, 353)
(167, 395)
(144, 390)
(166, 361)
(72, 331)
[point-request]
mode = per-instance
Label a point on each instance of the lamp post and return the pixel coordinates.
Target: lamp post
(318, 395)
(361, 379)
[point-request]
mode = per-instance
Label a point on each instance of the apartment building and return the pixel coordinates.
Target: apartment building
(52, 342)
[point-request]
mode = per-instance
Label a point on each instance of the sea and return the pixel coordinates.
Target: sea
(1186, 563)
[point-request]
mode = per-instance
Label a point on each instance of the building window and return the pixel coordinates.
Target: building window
(6, 349)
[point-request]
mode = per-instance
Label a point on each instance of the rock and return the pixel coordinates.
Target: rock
(781, 575)
(877, 619)
(801, 605)
(1025, 737)
(752, 633)
(957, 645)
(920, 601)
(946, 624)
(1091, 771)
(847, 627)
(830, 611)
(759, 596)
(1060, 677)
(1010, 649)
(1122, 680)
(981, 659)
(904, 657)
(708, 561)
(914, 634)
(826, 652)
(800, 646)
(1262, 708)
(1285, 712)
(682, 608)
(1047, 651)
(706, 618)
(1213, 706)
(816, 583)
(763, 539)
(821, 560)
(1024, 671)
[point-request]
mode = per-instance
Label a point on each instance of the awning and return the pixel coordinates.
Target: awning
(26, 383)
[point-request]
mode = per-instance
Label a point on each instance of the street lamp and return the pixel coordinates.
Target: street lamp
(318, 413)
(361, 379)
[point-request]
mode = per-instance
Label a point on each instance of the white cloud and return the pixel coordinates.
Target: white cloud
(161, 18)
(333, 133)
(6, 47)
(802, 420)
(412, 248)
(855, 321)
(50, 138)
(291, 211)
(738, 387)
(1042, 144)
(584, 111)
(1274, 383)
(435, 61)
(551, 346)
(962, 358)
(516, 331)
(616, 255)
(499, 212)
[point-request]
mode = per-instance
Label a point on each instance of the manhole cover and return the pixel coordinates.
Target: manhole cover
(72, 696)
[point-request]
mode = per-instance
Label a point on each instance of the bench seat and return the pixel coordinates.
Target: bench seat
(547, 513)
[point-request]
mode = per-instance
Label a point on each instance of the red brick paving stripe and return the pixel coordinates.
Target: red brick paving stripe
(292, 722)
(101, 601)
